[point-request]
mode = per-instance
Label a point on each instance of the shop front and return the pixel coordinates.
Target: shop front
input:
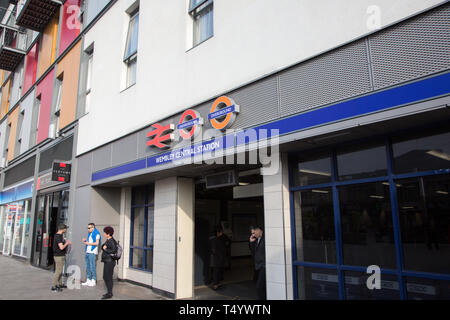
(52, 205)
(15, 215)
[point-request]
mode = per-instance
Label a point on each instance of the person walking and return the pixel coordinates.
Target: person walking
(108, 248)
(219, 245)
(258, 247)
(59, 255)
(92, 242)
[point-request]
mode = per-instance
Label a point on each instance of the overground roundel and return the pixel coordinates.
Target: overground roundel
(223, 113)
(190, 119)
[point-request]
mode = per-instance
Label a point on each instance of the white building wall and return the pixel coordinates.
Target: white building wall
(164, 252)
(278, 234)
(251, 39)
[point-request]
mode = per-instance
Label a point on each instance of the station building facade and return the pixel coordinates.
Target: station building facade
(330, 135)
(357, 129)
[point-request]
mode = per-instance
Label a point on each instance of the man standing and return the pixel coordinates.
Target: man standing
(92, 242)
(258, 248)
(219, 245)
(59, 253)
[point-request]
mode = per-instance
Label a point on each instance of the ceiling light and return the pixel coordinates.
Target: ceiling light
(442, 192)
(376, 197)
(319, 191)
(439, 154)
(320, 173)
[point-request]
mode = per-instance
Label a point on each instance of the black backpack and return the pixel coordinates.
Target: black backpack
(118, 254)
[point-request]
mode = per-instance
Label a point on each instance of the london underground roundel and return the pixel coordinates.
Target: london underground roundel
(223, 113)
(190, 124)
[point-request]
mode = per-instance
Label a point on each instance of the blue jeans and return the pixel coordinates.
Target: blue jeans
(91, 263)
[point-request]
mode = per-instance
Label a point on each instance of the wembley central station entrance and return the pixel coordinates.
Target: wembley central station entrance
(232, 201)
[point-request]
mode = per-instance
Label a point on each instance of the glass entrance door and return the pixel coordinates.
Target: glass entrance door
(51, 211)
(2, 225)
(40, 227)
(7, 240)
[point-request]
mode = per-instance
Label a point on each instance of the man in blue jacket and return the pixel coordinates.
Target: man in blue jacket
(92, 242)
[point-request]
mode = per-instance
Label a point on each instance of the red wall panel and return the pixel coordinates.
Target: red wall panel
(31, 68)
(45, 89)
(70, 27)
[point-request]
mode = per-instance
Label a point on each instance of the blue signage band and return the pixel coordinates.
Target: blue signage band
(379, 101)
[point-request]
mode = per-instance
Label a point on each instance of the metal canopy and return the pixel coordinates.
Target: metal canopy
(36, 14)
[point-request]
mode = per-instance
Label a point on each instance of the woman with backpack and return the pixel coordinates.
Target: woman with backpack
(109, 249)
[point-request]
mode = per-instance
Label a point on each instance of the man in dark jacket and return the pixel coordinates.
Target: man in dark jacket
(219, 245)
(109, 248)
(258, 249)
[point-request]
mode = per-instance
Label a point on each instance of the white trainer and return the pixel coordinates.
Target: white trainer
(92, 283)
(88, 281)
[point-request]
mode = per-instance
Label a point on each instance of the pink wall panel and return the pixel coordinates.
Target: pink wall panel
(31, 68)
(45, 89)
(70, 27)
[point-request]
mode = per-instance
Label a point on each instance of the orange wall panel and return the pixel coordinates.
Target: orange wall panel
(12, 119)
(70, 66)
(5, 98)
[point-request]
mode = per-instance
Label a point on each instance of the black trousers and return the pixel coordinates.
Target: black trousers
(217, 275)
(260, 277)
(108, 271)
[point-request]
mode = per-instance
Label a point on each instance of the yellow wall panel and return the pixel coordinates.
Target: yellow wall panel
(47, 47)
(69, 66)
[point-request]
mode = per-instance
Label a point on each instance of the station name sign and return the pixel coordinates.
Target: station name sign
(221, 116)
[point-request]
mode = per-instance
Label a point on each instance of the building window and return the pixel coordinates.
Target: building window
(89, 82)
(203, 17)
(142, 228)
(19, 133)
(35, 121)
(131, 48)
(384, 204)
(59, 86)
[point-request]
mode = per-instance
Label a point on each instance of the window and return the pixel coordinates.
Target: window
(89, 82)
(203, 18)
(19, 133)
(131, 48)
(424, 207)
(35, 122)
(314, 225)
(142, 226)
(421, 153)
(362, 163)
(367, 231)
(59, 85)
(374, 204)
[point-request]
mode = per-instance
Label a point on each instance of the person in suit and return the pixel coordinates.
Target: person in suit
(258, 249)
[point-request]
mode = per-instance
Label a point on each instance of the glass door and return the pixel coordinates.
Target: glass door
(46, 259)
(18, 229)
(2, 225)
(21, 228)
(40, 227)
(10, 215)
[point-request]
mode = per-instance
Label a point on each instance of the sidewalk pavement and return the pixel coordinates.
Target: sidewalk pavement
(21, 281)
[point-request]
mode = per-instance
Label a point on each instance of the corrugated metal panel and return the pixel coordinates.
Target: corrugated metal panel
(20, 172)
(413, 49)
(124, 150)
(102, 158)
(62, 151)
(334, 76)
